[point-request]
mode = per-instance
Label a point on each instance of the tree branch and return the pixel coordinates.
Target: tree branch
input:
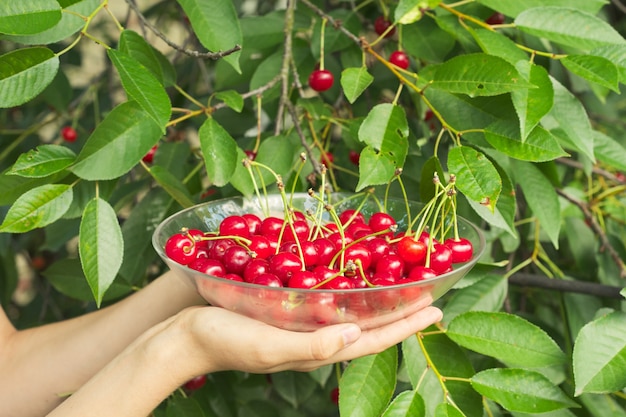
(580, 287)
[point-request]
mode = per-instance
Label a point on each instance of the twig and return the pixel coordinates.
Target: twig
(336, 24)
(284, 70)
(192, 53)
(294, 116)
(580, 287)
(619, 5)
(598, 231)
(575, 164)
(252, 93)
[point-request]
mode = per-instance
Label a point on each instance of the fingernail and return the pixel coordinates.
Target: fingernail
(350, 334)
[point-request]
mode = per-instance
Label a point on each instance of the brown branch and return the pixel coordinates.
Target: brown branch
(284, 70)
(334, 22)
(606, 244)
(599, 171)
(190, 52)
(252, 93)
(580, 287)
(309, 152)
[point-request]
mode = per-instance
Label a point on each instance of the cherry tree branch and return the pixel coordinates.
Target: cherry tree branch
(580, 287)
(190, 52)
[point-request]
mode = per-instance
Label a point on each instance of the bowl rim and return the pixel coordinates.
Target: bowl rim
(461, 270)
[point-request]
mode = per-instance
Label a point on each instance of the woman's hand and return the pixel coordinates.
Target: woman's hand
(222, 340)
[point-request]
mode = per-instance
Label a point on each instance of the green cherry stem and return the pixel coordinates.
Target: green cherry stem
(322, 30)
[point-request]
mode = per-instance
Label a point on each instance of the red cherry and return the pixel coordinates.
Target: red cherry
(381, 221)
(235, 259)
(420, 273)
(254, 223)
(321, 80)
(303, 279)
(495, 19)
(334, 395)
(380, 26)
(378, 247)
(149, 157)
(268, 279)
(208, 266)
(219, 248)
(400, 59)
(326, 250)
(233, 277)
(234, 226)
(250, 154)
(354, 157)
(271, 226)
(181, 248)
(440, 258)
(327, 158)
(69, 134)
(195, 383)
(411, 250)
(339, 283)
(284, 265)
(391, 264)
(261, 246)
(358, 252)
(301, 229)
(352, 216)
(462, 249)
(255, 268)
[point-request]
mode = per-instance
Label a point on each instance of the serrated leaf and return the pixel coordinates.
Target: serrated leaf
(545, 204)
(12, 186)
(539, 146)
(67, 277)
(407, 403)
(354, 81)
(506, 337)
(135, 46)
(172, 186)
(219, 150)
(520, 390)
(478, 74)
(594, 69)
(476, 177)
(368, 383)
(385, 129)
(616, 54)
(572, 117)
(293, 387)
(599, 356)
(119, 142)
(427, 41)
(143, 87)
(375, 168)
(216, 25)
(27, 17)
(407, 12)
(24, 73)
(71, 22)
(37, 208)
(43, 161)
(568, 26)
(487, 294)
(232, 99)
(498, 44)
(100, 246)
(532, 104)
(513, 8)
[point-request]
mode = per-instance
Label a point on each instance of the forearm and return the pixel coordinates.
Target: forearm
(40, 366)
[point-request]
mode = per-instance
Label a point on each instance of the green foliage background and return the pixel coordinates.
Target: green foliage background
(526, 113)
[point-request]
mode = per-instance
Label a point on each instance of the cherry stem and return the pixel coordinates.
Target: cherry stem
(322, 30)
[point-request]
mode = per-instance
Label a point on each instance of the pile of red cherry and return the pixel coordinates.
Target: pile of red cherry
(353, 252)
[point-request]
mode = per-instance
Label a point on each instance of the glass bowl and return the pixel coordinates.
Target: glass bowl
(310, 309)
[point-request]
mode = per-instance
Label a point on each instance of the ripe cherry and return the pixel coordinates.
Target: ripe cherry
(254, 223)
(181, 248)
(284, 265)
(380, 221)
(219, 248)
(358, 252)
(235, 259)
(440, 258)
(411, 250)
(195, 383)
(271, 226)
(255, 268)
(69, 134)
(303, 279)
(208, 266)
(268, 279)
(261, 246)
(321, 80)
(462, 249)
(420, 273)
(327, 158)
(334, 395)
(354, 157)
(149, 157)
(326, 250)
(352, 216)
(400, 59)
(339, 283)
(234, 226)
(495, 19)
(380, 26)
(391, 264)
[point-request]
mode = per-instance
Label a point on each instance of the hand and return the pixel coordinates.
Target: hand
(222, 340)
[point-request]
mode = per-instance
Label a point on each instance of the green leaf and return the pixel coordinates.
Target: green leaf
(232, 99)
(487, 294)
(476, 177)
(495, 43)
(572, 118)
(293, 387)
(135, 46)
(407, 403)
(354, 81)
(216, 25)
(447, 410)
(368, 383)
(24, 73)
(179, 406)
(599, 356)
(119, 142)
(375, 168)
(386, 129)
(431, 167)
(407, 12)
(506, 337)
(143, 87)
(71, 22)
(37, 208)
(594, 69)
(616, 54)
(67, 277)
(12, 186)
(334, 40)
(478, 75)
(27, 17)
(172, 185)
(569, 27)
(544, 204)
(100, 246)
(532, 104)
(513, 8)
(219, 150)
(539, 146)
(427, 41)
(43, 161)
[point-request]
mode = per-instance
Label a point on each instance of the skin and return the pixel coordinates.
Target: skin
(125, 359)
